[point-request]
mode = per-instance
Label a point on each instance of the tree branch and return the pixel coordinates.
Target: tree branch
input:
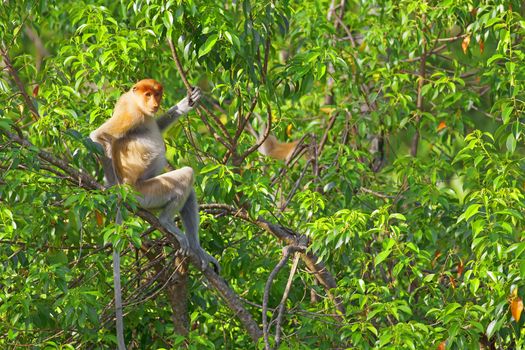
(286, 254)
(282, 304)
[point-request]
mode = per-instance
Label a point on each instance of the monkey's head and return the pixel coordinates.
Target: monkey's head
(148, 93)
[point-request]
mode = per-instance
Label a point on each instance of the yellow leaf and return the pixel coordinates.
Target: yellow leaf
(465, 43)
(223, 119)
(327, 110)
(516, 307)
(362, 47)
(289, 130)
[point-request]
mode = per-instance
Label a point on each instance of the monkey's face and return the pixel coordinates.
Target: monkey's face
(149, 95)
(150, 102)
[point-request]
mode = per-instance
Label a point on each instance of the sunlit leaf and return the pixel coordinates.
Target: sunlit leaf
(208, 45)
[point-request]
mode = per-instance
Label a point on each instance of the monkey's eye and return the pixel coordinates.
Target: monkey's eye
(148, 94)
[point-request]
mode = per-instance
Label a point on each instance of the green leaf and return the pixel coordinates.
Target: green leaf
(506, 113)
(398, 216)
(511, 143)
(494, 58)
(208, 45)
(471, 211)
(5, 124)
(381, 257)
(491, 329)
(362, 286)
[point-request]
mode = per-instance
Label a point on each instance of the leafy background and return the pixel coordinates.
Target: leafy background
(411, 193)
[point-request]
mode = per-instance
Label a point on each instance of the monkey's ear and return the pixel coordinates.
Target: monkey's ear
(134, 88)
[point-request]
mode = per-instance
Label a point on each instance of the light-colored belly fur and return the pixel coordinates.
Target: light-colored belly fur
(141, 154)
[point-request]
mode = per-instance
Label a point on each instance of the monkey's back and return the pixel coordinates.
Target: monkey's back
(140, 154)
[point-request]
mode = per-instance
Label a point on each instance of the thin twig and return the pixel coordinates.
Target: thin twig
(419, 102)
(282, 305)
(286, 254)
(16, 78)
(267, 131)
(218, 122)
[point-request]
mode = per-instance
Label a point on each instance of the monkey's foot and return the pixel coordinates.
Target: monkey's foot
(184, 245)
(206, 259)
(181, 237)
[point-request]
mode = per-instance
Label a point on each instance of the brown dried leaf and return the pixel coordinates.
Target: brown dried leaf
(35, 90)
(481, 46)
(452, 282)
(461, 266)
(442, 125)
(442, 345)
(100, 218)
(437, 254)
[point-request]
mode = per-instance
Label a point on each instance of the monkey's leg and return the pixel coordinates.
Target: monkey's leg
(168, 192)
(190, 218)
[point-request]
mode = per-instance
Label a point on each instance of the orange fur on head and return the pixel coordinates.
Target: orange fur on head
(148, 94)
(131, 110)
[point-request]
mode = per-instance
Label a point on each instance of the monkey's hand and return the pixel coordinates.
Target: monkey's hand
(183, 107)
(188, 102)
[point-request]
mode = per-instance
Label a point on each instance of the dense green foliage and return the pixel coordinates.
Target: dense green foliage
(413, 195)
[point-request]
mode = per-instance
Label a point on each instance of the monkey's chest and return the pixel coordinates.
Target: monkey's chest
(140, 157)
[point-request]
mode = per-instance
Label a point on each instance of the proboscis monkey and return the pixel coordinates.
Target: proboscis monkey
(135, 155)
(272, 147)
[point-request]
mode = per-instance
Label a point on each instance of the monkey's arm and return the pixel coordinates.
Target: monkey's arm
(180, 109)
(106, 160)
(109, 172)
(116, 127)
(107, 163)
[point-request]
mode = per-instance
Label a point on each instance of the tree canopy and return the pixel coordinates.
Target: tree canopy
(396, 223)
